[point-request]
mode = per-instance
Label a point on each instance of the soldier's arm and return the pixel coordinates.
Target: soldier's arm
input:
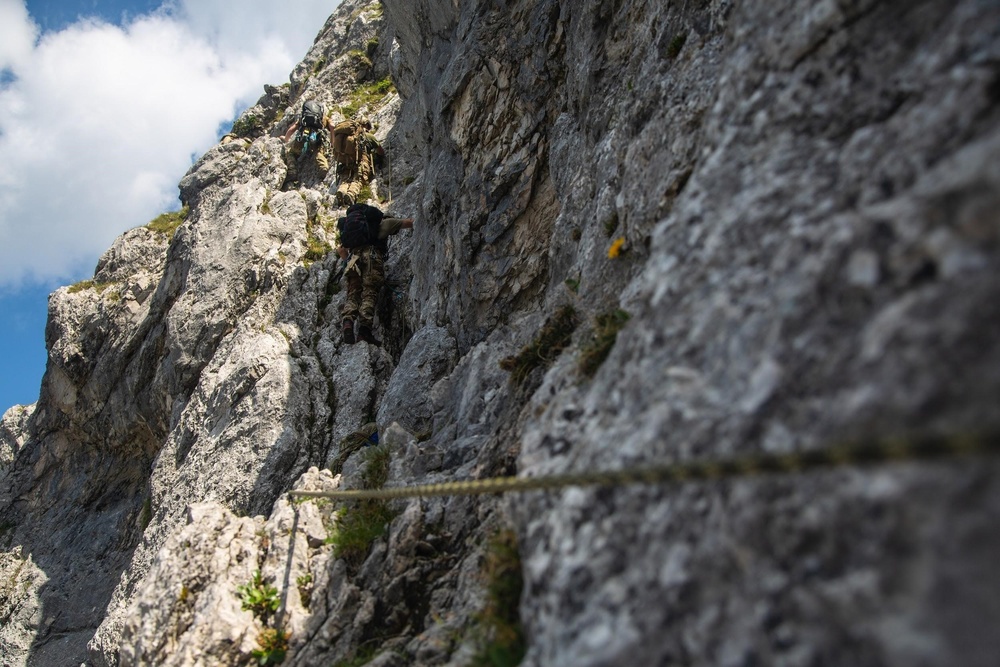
(392, 226)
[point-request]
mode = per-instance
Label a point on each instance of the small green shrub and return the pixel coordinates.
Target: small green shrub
(573, 284)
(551, 340)
(247, 125)
(167, 223)
(273, 644)
(605, 333)
(500, 621)
(258, 597)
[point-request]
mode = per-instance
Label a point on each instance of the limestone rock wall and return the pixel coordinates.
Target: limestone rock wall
(796, 207)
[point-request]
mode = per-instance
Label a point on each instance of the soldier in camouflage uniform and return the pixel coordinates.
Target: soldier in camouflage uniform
(317, 134)
(357, 153)
(365, 274)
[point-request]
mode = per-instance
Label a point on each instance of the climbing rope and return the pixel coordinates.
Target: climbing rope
(860, 453)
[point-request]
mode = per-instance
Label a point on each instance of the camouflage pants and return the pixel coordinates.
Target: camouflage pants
(365, 274)
(353, 179)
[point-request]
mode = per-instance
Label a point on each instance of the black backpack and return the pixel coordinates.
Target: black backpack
(312, 115)
(360, 227)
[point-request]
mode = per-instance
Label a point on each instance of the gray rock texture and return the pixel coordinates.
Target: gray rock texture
(797, 205)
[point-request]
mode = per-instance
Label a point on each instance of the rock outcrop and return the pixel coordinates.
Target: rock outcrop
(645, 232)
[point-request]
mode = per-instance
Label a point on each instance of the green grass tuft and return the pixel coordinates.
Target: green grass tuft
(611, 223)
(362, 522)
(316, 247)
(369, 95)
(503, 643)
(167, 223)
(605, 334)
(551, 340)
(89, 284)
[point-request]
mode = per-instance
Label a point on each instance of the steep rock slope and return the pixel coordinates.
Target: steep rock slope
(797, 208)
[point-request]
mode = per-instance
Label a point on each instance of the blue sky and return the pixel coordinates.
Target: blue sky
(73, 174)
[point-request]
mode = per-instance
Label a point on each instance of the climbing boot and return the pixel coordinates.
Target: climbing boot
(365, 334)
(349, 332)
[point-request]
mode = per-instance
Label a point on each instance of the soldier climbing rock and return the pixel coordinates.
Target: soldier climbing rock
(308, 137)
(358, 154)
(364, 243)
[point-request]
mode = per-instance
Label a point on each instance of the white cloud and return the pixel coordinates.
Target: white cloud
(100, 121)
(17, 34)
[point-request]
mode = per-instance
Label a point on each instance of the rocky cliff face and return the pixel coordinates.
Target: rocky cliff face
(779, 221)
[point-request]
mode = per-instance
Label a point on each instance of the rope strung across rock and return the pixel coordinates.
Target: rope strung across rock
(860, 453)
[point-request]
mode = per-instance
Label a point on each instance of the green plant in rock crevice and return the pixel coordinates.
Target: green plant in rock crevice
(610, 223)
(304, 584)
(262, 600)
(167, 223)
(361, 522)
(553, 337)
(675, 46)
(606, 328)
(89, 284)
(273, 643)
(368, 94)
(316, 247)
(258, 597)
(247, 124)
(499, 622)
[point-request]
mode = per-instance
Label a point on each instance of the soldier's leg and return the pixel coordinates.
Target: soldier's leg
(344, 195)
(351, 190)
(352, 303)
(366, 170)
(372, 279)
(291, 157)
